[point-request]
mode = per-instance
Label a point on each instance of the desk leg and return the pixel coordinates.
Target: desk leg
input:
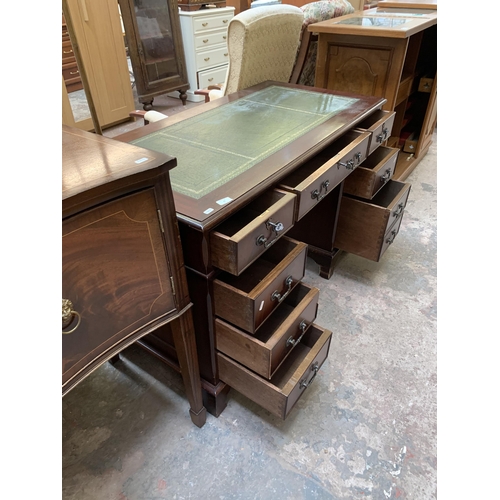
(185, 347)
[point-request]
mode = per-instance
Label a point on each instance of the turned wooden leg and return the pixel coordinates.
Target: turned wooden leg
(185, 347)
(183, 96)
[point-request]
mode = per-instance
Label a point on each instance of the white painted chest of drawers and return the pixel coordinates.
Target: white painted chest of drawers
(204, 35)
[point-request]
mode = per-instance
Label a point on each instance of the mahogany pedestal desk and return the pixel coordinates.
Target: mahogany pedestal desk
(390, 52)
(123, 275)
(257, 188)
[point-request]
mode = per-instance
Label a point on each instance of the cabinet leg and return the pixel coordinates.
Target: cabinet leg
(183, 96)
(147, 105)
(185, 347)
(215, 397)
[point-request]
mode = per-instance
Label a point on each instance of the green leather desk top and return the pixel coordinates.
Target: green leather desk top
(232, 149)
(218, 145)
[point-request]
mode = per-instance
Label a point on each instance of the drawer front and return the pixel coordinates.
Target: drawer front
(115, 273)
(212, 76)
(70, 71)
(318, 177)
(214, 57)
(376, 171)
(289, 383)
(240, 240)
(247, 300)
(285, 328)
(379, 124)
(211, 22)
(68, 55)
(210, 39)
(362, 225)
(391, 235)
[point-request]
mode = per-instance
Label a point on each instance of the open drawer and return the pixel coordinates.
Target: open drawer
(365, 227)
(379, 124)
(246, 235)
(248, 299)
(264, 352)
(320, 175)
(295, 375)
(368, 179)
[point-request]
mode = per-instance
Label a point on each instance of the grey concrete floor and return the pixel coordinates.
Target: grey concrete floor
(365, 429)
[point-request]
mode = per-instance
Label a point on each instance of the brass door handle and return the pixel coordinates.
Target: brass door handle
(68, 313)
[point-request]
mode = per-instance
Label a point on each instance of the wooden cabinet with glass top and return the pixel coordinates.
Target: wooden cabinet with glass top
(389, 51)
(155, 47)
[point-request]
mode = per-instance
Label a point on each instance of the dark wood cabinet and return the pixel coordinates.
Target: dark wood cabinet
(154, 41)
(123, 274)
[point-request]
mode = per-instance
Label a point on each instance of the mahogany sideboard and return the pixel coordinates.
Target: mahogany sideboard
(123, 275)
(389, 51)
(260, 184)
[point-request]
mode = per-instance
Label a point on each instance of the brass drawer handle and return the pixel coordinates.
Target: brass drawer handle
(206, 59)
(205, 41)
(399, 211)
(68, 313)
(67, 51)
(226, 54)
(204, 24)
(392, 237)
(224, 21)
(314, 368)
(280, 298)
(224, 37)
(210, 79)
(383, 136)
(277, 227)
(317, 194)
(386, 176)
(74, 72)
(291, 341)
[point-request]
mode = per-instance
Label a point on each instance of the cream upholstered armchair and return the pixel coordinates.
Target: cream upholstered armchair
(262, 45)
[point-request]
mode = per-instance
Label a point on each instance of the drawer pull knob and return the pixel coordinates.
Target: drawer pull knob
(74, 72)
(224, 21)
(204, 24)
(67, 51)
(210, 79)
(383, 136)
(399, 211)
(68, 313)
(224, 37)
(280, 298)
(226, 54)
(291, 341)
(317, 194)
(314, 368)
(207, 59)
(349, 165)
(386, 177)
(391, 237)
(205, 41)
(276, 227)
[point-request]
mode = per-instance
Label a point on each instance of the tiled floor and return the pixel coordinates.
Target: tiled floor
(365, 429)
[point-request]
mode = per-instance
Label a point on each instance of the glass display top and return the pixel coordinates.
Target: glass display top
(375, 21)
(218, 145)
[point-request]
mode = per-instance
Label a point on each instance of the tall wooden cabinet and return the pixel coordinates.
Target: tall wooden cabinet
(155, 47)
(97, 32)
(388, 52)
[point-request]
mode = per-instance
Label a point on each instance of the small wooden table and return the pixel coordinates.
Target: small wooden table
(123, 275)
